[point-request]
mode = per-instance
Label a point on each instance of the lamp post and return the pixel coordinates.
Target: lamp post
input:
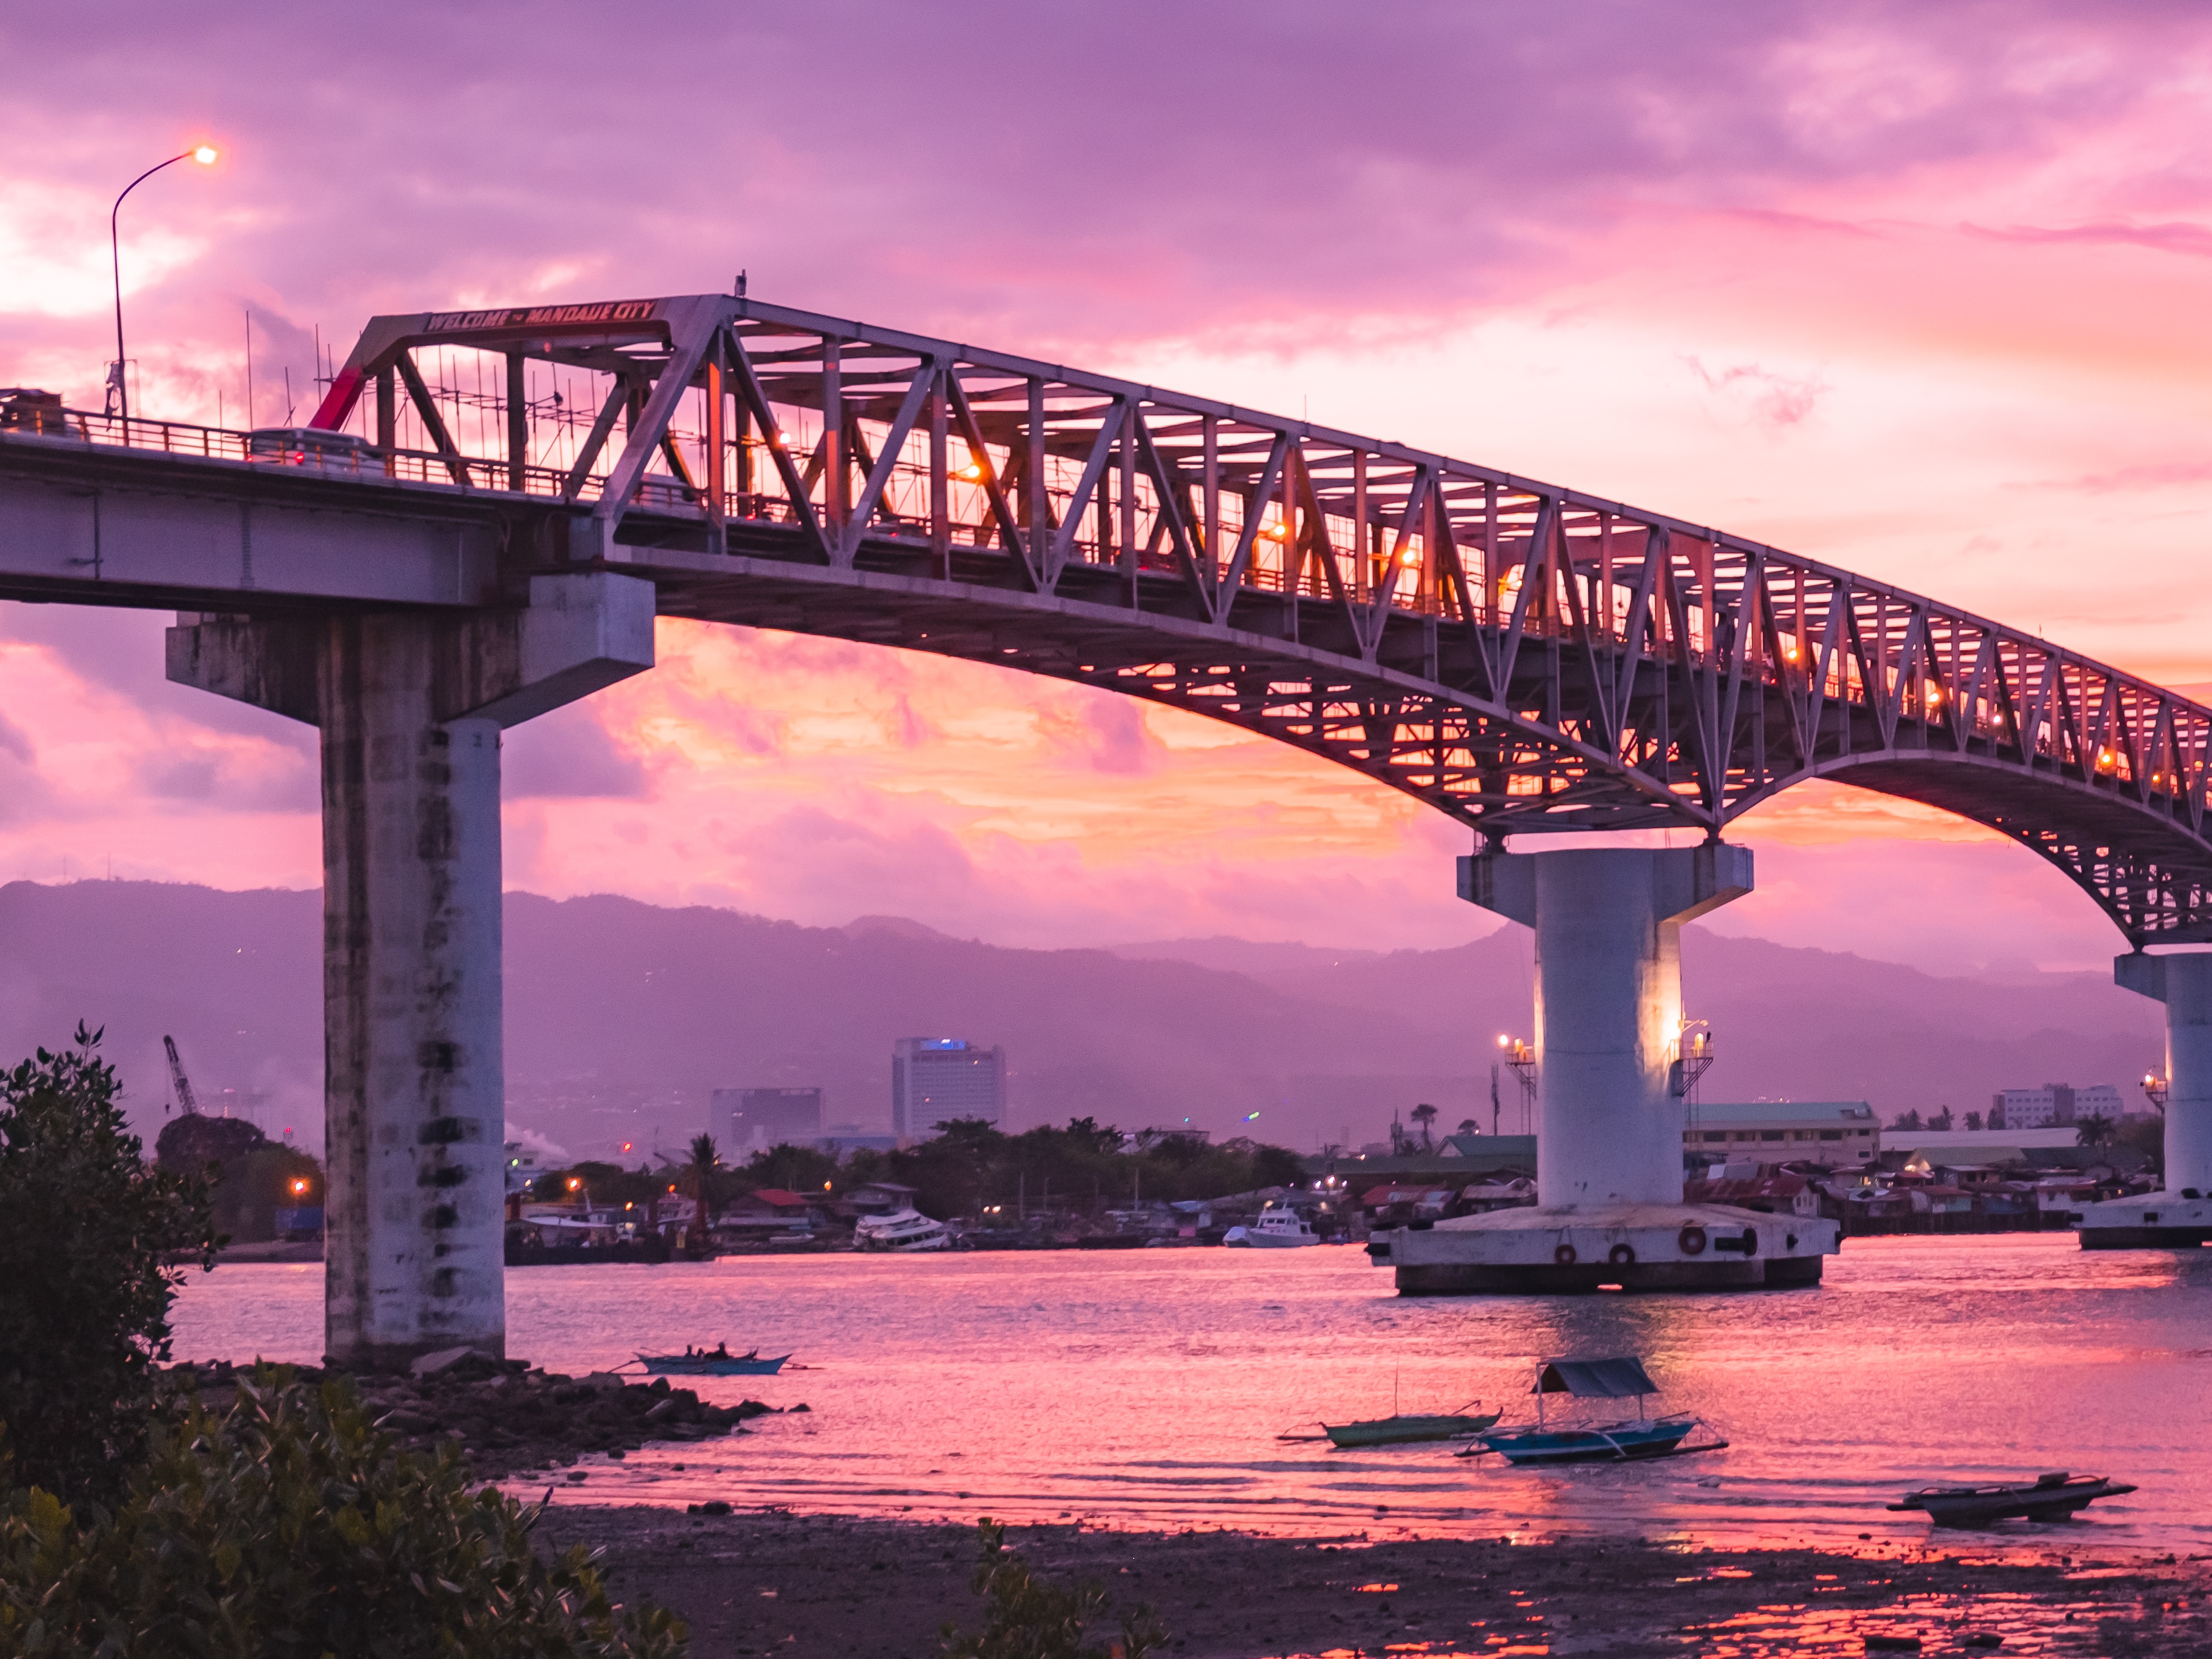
(204, 154)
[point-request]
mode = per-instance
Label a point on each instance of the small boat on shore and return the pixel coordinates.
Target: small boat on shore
(1627, 1440)
(718, 1364)
(2058, 1497)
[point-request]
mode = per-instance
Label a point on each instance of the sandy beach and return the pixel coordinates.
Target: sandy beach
(755, 1583)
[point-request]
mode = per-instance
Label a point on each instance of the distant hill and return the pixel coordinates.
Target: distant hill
(622, 1016)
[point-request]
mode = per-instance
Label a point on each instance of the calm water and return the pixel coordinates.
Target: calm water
(1145, 1388)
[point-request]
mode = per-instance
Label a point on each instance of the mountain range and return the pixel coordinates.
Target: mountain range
(622, 1017)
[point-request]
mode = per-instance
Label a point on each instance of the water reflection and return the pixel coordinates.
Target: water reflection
(1147, 1389)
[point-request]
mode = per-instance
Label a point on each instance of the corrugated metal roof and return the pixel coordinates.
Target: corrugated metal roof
(1856, 1113)
(1595, 1379)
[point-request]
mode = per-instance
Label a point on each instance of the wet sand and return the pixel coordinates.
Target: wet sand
(775, 1584)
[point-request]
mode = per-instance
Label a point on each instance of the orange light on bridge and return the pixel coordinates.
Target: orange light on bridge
(971, 473)
(299, 1187)
(205, 154)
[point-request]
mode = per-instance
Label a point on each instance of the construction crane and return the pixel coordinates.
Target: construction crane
(185, 1104)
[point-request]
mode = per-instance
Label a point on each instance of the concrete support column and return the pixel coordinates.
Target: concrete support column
(410, 706)
(2183, 983)
(1608, 1005)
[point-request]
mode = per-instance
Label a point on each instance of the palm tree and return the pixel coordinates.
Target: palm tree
(705, 1160)
(1424, 1114)
(2095, 1131)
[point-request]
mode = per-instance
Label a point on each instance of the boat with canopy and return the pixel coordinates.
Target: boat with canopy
(1627, 1439)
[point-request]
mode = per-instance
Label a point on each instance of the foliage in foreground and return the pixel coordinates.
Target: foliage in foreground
(290, 1528)
(1030, 1619)
(84, 1295)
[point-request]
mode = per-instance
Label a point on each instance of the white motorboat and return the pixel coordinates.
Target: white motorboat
(1278, 1228)
(906, 1230)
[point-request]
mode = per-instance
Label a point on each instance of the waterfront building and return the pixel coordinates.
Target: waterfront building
(748, 1121)
(1776, 1131)
(1777, 1192)
(937, 1079)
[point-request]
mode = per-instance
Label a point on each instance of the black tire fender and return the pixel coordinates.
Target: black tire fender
(1691, 1241)
(1751, 1241)
(1622, 1254)
(1564, 1255)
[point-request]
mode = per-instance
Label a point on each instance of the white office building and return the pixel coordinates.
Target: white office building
(2053, 1106)
(937, 1079)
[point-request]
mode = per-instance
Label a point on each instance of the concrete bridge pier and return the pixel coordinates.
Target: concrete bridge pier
(411, 705)
(2181, 1214)
(1608, 1032)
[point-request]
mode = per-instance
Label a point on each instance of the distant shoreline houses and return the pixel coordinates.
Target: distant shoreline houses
(1830, 1158)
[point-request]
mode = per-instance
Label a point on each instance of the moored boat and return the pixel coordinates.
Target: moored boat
(1405, 1429)
(711, 1364)
(1623, 1441)
(905, 1230)
(1277, 1228)
(2055, 1497)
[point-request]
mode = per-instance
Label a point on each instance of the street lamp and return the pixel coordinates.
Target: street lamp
(202, 153)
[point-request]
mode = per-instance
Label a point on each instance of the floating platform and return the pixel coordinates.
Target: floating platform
(1630, 1246)
(2148, 1221)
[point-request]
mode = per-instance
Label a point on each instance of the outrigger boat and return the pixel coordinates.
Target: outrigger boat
(1629, 1440)
(2057, 1496)
(1402, 1428)
(719, 1362)
(1405, 1430)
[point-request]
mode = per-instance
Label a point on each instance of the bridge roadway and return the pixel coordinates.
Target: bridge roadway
(445, 551)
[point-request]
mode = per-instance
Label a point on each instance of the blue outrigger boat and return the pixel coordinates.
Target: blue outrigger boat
(718, 1363)
(1627, 1441)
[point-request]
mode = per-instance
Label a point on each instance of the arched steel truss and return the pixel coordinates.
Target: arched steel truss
(1523, 657)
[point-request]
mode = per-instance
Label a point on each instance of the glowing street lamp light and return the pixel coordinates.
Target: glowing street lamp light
(2157, 1087)
(120, 382)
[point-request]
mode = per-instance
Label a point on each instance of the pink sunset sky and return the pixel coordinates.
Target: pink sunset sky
(1917, 290)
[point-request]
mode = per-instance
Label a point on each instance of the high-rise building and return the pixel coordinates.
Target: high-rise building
(937, 1079)
(748, 1121)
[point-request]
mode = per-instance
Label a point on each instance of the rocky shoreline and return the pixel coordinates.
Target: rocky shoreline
(760, 1583)
(508, 1417)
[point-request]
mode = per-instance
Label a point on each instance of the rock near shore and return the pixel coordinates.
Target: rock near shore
(508, 1416)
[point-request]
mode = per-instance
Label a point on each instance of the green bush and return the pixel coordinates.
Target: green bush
(290, 1528)
(1030, 1619)
(85, 1226)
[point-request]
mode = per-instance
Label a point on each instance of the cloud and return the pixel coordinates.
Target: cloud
(2194, 241)
(1500, 232)
(568, 755)
(1775, 400)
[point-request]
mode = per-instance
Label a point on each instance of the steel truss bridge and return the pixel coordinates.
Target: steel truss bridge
(1525, 657)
